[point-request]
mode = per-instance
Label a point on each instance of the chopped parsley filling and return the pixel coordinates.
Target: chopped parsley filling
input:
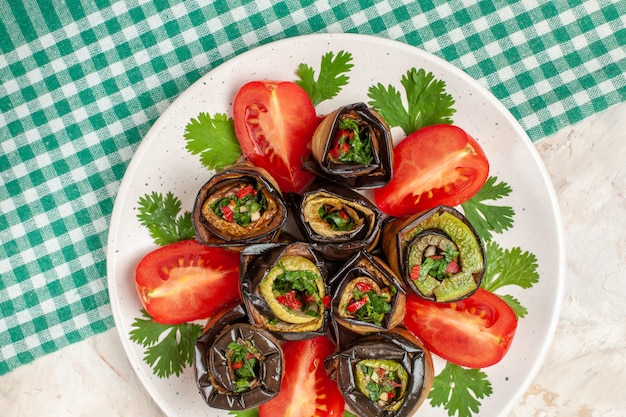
(338, 220)
(369, 306)
(298, 291)
(382, 381)
(243, 359)
(351, 143)
(243, 207)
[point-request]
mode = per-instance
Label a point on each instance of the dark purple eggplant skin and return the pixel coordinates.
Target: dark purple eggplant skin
(364, 264)
(256, 262)
(397, 345)
(240, 172)
(374, 175)
(212, 378)
(398, 235)
(343, 248)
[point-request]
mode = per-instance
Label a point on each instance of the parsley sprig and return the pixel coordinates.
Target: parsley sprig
(459, 390)
(509, 267)
(331, 78)
(214, 139)
(427, 101)
(168, 348)
(487, 217)
(160, 214)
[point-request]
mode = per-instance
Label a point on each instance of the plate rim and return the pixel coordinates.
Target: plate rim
(163, 118)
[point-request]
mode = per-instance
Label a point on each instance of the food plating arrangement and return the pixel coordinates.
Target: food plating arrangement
(321, 268)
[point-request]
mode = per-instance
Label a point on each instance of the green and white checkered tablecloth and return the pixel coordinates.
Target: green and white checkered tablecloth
(81, 82)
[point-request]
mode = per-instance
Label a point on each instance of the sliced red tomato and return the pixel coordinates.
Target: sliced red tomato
(475, 332)
(306, 389)
(187, 281)
(435, 165)
(274, 123)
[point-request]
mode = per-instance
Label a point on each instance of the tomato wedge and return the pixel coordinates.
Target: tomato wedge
(187, 281)
(475, 332)
(435, 165)
(274, 123)
(306, 389)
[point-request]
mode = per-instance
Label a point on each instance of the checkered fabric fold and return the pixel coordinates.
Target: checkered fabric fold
(81, 82)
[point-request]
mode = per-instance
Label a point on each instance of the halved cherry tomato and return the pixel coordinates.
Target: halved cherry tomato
(435, 165)
(475, 332)
(274, 123)
(187, 281)
(306, 389)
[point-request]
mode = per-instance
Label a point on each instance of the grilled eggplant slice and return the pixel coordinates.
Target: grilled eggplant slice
(239, 206)
(385, 375)
(285, 289)
(438, 254)
(237, 366)
(353, 146)
(337, 221)
(367, 295)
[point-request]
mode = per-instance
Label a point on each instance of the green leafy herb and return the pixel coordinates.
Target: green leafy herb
(160, 215)
(337, 219)
(349, 145)
(427, 102)
(251, 412)
(214, 139)
(509, 267)
(331, 77)
(485, 217)
(459, 390)
(242, 356)
(169, 348)
(519, 310)
(301, 281)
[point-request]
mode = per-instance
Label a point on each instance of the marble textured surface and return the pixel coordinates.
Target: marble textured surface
(585, 368)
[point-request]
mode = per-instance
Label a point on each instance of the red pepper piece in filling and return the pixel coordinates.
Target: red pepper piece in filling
(363, 286)
(355, 305)
(290, 300)
(228, 214)
(246, 191)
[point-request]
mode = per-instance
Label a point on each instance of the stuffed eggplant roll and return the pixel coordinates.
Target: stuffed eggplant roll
(438, 254)
(337, 221)
(384, 375)
(353, 146)
(368, 297)
(237, 366)
(238, 206)
(285, 290)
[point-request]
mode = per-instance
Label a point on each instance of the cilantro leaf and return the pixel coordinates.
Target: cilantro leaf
(519, 310)
(486, 217)
(427, 102)
(331, 77)
(160, 215)
(459, 390)
(169, 348)
(214, 139)
(509, 267)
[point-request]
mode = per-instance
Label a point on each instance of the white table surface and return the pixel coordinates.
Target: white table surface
(584, 372)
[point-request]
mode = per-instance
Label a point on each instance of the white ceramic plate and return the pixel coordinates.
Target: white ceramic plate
(162, 164)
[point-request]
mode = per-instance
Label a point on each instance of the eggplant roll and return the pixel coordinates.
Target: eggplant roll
(285, 289)
(367, 296)
(237, 366)
(352, 146)
(238, 206)
(337, 221)
(384, 375)
(438, 254)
